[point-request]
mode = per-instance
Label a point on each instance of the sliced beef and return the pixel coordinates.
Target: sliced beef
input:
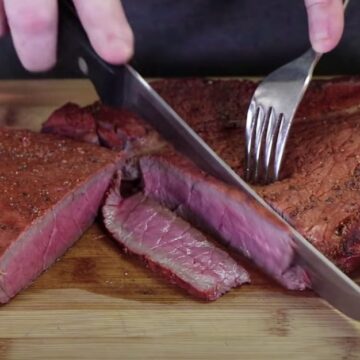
(171, 246)
(51, 190)
(116, 129)
(224, 211)
(74, 122)
(319, 191)
(132, 133)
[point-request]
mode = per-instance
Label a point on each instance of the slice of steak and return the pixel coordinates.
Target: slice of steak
(115, 129)
(131, 132)
(51, 189)
(229, 214)
(74, 122)
(171, 246)
(319, 192)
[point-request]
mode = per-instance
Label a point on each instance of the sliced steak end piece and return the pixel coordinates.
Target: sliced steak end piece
(171, 246)
(116, 129)
(224, 211)
(51, 189)
(74, 122)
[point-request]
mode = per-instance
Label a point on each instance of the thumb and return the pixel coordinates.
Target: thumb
(326, 23)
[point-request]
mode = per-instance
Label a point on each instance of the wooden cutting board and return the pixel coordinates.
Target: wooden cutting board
(97, 303)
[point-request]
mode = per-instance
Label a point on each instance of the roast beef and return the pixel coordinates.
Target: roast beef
(319, 191)
(51, 190)
(171, 246)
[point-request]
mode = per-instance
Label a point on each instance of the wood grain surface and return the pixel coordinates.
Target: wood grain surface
(98, 303)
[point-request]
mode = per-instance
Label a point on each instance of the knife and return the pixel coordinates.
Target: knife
(123, 87)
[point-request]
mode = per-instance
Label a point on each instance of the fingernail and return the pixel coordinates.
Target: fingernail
(320, 36)
(320, 32)
(114, 49)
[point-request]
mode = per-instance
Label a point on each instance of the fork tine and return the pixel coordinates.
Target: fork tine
(280, 135)
(271, 140)
(259, 142)
(251, 120)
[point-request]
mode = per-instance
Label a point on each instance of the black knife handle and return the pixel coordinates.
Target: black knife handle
(77, 55)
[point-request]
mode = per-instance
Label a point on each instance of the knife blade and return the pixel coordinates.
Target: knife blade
(123, 87)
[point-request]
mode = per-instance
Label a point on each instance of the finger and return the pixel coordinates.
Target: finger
(108, 30)
(33, 25)
(326, 23)
(2, 19)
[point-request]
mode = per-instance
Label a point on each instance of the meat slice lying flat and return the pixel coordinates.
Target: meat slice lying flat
(320, 190)
(51, 190)
(225, 212)
(171, 246)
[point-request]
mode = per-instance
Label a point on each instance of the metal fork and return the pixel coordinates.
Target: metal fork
(271, 113)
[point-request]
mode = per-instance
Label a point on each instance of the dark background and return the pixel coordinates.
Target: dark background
(218, 38)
